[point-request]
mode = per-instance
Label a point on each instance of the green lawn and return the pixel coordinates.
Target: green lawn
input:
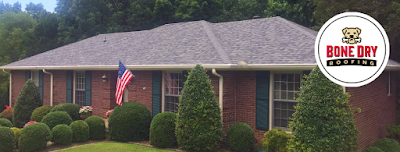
(112, 146)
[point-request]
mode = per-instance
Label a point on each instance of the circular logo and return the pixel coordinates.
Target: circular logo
(352, 49)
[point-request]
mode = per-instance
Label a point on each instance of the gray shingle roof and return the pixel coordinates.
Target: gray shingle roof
(268, 41)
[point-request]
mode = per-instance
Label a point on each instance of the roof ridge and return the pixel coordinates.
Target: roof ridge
(294, 25)
(222, 53)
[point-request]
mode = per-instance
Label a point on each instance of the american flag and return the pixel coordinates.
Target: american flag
(124, 76)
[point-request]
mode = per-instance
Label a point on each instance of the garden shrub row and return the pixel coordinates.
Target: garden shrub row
(70, 108)
(33, 137)
(39, 113)
(62, 134)
(6, 139)
(5, 122)
(53, 119)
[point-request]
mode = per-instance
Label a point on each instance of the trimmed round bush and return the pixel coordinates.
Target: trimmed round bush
(97, 127)
(39, 113)
(17, 134)
(80, 131)
(6, 139)
(62, 134)
(70, 108)
(240, 137)
(162, 130)
(34, 137)
(53, 119)
(129, 122)
(373, 149)
(5, 122)
(7, 113)
(276, 140)
(387, 145)
(27, 101)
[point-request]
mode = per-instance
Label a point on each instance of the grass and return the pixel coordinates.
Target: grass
(114, 147)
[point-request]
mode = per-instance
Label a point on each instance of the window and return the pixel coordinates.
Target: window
(35, 77)
(286, 89)
(80, 88)
(173, 90)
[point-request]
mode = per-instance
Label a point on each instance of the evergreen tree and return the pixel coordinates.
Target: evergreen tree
(198, 124)
(27, 101)
(323, 120)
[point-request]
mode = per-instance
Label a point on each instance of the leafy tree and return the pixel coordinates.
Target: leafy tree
(300, 11)
(188, 10)
(27, 101)
(34, 9)
(8, 8)
(164, 11)
(323, 120)
(198, 122)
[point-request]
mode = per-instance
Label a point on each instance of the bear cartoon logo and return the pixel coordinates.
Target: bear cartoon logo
(351, 35)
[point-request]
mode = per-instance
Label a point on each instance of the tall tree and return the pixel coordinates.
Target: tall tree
(299, 11)
(8, 8)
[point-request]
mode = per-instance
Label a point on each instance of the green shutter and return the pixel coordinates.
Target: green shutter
(184, 78)
(156, 92)
(41, 85)
(69, 86)
(27, 75)
(88, 88)
(262, 100)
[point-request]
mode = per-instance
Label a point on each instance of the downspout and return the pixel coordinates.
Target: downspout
(10, 92)
(221, 91)
(51, 86)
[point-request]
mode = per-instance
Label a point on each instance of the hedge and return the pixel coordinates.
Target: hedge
(17, 134)
(34, 137)
(62, 134)
(387, 145)
(240, 137)
(70, 108)
(129, 122)
(373, 149)
(162, 130)
(39, 113)
(198, 102)
(5, 122)
(27, 101)
(80, 131)
(53, 119)
(6, 139)
(97, 127)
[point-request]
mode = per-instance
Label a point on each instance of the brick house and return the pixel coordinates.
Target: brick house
(255, 67)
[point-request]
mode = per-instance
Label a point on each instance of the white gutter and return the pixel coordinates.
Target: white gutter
(51, 86)
(10, 91)
(221, 91)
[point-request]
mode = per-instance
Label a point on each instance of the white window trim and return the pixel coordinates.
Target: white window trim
(163, 88)
(33, 77)
(271, 94)
(74, 85)
(126, 94)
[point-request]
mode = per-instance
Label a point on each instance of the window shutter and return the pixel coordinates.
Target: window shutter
(184, 78)
(156, 92)
(69, 86)
(27, 75)
(88, 88)
(41, 85)
(262, 100)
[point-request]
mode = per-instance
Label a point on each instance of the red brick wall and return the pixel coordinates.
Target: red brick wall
(101, 92)
(59, 87)
(140, 88)
(18, 81)
(378, 109)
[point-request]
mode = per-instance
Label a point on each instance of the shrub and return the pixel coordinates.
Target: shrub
(27, 101)
(387, 145)
(70, 108)
(198, 102)
(276, 140)
(323, 120)
(394, 131)
(240, 137)
(17, 134)
(97, 127)
(8, 113)
(62, 134)
(80, 131)
(129, 122)
(39, 113)
(5, 123)
(34, 137)
(162, 130)
(53, 119)
(6, 139)
(373, 149)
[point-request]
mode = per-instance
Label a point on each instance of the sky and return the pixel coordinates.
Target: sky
(49, 5)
